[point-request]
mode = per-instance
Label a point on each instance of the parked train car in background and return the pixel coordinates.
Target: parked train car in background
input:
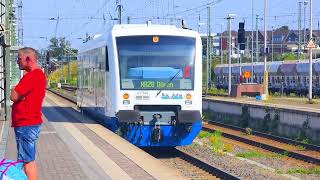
(144, 82)
(284, 76)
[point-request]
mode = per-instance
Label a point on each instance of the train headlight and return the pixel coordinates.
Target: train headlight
(189, 96)
(155, 39)
(126, 96)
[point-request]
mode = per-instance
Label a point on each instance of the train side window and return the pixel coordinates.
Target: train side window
(107, 60)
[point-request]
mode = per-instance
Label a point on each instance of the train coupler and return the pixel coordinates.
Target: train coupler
(157, 134)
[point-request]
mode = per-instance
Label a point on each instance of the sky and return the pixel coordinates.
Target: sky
(44, 19)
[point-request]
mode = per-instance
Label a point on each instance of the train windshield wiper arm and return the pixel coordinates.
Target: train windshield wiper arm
(168, 82)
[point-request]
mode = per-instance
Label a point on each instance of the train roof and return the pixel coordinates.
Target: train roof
(151, 29)
(136, 30)
(274, 67)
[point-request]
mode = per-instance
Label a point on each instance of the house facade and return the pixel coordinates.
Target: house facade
(279, 41)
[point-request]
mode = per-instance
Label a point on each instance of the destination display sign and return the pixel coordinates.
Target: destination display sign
(156, 84)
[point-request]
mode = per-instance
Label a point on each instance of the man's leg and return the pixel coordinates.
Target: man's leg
(26, 138)
(31, 170)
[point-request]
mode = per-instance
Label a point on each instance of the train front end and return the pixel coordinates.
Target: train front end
(160, 87)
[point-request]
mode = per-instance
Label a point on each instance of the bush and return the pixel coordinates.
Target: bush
(216, 91)
(56, 75)
(53, 85)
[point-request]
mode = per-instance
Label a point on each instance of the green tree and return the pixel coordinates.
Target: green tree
(283, 29)
(289, 56)
(58, 47)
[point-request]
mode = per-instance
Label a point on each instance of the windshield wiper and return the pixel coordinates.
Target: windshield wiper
(168, 82)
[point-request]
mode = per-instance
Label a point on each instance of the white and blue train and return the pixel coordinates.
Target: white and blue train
(144, 82)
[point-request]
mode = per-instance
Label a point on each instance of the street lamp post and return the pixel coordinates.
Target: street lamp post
(221, 50)
(208, 50)
(272, 44)
(305, 3)
(310, 56)
(252, 22)
(265, 50)
(229, 18)
(299, 29)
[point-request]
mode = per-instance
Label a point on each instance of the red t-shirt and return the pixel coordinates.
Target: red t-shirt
(27, 111)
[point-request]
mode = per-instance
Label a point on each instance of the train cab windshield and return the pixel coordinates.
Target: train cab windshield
(156, 62)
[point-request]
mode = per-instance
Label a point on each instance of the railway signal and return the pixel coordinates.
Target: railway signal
(241, 36)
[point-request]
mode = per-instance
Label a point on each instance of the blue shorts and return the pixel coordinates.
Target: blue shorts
(26, 138)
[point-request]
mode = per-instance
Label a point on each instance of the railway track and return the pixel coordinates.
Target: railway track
(189, 166)
(68, 87)
(297, 150)
(67, 97)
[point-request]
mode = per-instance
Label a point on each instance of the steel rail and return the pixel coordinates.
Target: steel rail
(269, 136)
(207, 167)
(269, 147)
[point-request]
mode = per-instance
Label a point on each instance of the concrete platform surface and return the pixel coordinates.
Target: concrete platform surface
(72, 146)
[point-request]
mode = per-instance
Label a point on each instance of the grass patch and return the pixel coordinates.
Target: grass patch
(228, 148)
(311, 102)
(285, 153)
(274, 155)
(315, 170)
(251, 154)
(248, 131)
(216, 142)
(255, 154)
(301, 148)
(204, 134)
(195, 145)
(215, 92)
(305, 141)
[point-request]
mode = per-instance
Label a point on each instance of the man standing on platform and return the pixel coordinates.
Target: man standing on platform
(27, 99)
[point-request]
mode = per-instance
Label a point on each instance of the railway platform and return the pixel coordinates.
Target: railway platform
(283, 103)
(73, 146)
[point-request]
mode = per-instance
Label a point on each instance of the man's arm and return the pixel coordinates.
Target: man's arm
(15, 96)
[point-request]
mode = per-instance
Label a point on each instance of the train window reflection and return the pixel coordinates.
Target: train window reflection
(147, 65)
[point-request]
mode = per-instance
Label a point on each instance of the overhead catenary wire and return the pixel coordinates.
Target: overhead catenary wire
(81, 22)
